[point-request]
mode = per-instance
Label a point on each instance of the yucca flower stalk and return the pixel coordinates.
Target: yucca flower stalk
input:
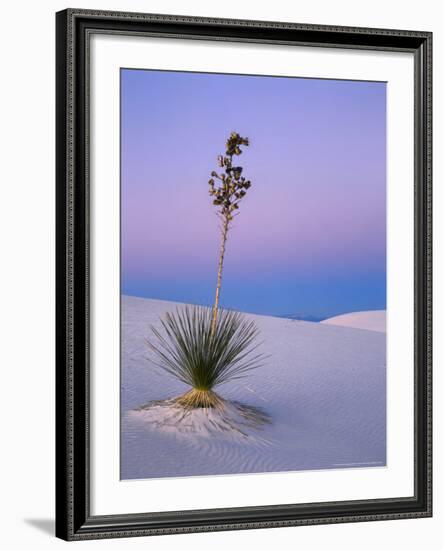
(202, 346)
(228, 191)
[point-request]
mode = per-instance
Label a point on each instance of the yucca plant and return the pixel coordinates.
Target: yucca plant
(188, 349)
(205, 347)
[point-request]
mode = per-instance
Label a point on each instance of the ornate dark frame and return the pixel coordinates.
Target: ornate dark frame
(73, 518)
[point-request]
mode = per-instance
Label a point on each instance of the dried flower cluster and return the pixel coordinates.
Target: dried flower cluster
(231, 186)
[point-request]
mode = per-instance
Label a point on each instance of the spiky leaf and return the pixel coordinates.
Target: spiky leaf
(185, 348)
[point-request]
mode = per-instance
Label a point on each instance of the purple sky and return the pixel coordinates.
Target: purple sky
(310, 239)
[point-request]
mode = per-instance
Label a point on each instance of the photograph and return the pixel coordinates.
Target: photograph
(252, 274)
(243, 319)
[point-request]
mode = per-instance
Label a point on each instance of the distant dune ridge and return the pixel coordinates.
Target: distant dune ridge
(368, 320)
(323, 388)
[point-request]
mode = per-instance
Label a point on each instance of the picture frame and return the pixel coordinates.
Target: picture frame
(75, 519)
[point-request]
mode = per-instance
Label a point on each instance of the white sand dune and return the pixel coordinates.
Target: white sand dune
(323, 389)
(367, 320)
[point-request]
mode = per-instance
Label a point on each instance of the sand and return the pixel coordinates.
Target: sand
(368, 320)
(321, 394)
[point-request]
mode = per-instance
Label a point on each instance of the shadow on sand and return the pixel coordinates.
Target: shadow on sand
(230, 418)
